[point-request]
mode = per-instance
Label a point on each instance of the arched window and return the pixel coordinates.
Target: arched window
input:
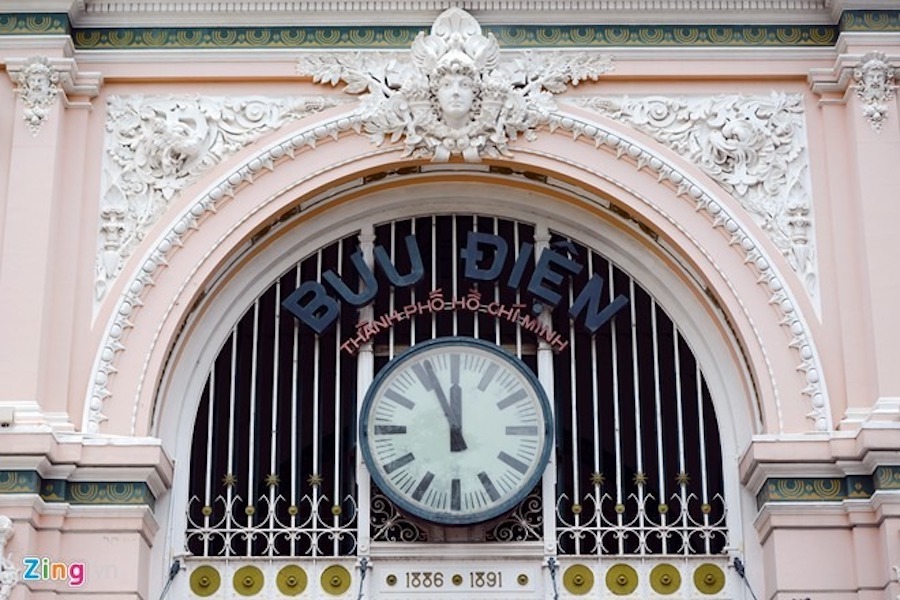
(637, 454)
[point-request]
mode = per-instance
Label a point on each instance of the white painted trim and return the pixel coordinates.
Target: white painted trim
(111, 13)
(181, 389)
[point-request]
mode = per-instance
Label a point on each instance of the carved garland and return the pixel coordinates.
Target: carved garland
(157, 146)
(456, 57)
(721, 218)
(753, 146)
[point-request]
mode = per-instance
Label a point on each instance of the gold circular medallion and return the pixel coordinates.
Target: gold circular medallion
(291, 580)
(709, 579)
(335, 580)
(248, 580)
(621, 579)
(205, 581)
(578, 580)
(665, 579)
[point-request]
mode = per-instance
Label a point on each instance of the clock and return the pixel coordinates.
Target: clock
(456, 431)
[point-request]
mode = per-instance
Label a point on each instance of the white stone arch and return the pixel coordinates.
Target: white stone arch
(699, 223)
(573, 161)
(182, 387)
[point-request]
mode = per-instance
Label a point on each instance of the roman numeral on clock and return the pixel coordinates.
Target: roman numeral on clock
(488, 486)
(389, 429)
(399, 462)
(423, 486)
(513, 462)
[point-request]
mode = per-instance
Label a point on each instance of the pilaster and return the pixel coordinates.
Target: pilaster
(859, 101)
(41, 231)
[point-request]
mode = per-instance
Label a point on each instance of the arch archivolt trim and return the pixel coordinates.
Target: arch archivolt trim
(668, 173)
(658, 209)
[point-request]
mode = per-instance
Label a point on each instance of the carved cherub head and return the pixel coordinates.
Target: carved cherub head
(457, 93)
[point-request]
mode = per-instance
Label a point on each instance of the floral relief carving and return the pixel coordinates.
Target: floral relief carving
(875, 86)
(389, 87)
(454, 95)
(9, 574)
(753, 146)
(38, 83)
(156, 146)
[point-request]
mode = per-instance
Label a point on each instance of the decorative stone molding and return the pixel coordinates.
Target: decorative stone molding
(38, 85)
(9, 574)
(168, 243)
(873, 76)
(156, 146)
(180, 226)
(801, 342)
(829, 489)
(456, 40)
(106, 12)
(455, 95)
(753, 146)
(77, 492)
(875, 87)
(40, 81)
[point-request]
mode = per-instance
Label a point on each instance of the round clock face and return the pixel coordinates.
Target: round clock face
(456, 431)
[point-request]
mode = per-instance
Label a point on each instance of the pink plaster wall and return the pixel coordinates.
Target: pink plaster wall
(49, 204)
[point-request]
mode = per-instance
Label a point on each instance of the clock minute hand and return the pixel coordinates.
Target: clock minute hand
(457, 442)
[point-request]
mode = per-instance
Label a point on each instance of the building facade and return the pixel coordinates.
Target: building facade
(479, 299)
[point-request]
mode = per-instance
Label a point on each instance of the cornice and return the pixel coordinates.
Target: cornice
(422, 12)
(393, 24)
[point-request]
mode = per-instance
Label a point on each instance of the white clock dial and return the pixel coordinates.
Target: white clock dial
(456, 431)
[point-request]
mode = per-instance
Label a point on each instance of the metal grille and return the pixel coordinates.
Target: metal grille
(640, 467)
(273, 469)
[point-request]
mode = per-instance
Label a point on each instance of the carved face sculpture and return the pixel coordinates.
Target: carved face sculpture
(456, 96)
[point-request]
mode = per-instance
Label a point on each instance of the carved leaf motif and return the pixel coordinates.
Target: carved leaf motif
(401, 100)
(753, 146)
(156, 146)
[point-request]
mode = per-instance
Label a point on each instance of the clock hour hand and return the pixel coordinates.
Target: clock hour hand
(457, 442)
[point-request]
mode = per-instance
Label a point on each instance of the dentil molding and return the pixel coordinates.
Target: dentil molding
(156, 146)
(755, 147)
(395, 12)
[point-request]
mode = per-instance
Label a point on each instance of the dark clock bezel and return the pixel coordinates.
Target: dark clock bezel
(441, 517)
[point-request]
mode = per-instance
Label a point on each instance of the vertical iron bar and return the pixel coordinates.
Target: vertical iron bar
(207, 495)
(497, 335)
(316, 438)
(296, 431)
(701, 426)
(638, 425)
(595, 423)
(660, 428)
(251, 426)
(276, 354)
(614, 365)
(454, 272)
(229, 493)
(686, 547)
(336, 425)
(573, 408)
